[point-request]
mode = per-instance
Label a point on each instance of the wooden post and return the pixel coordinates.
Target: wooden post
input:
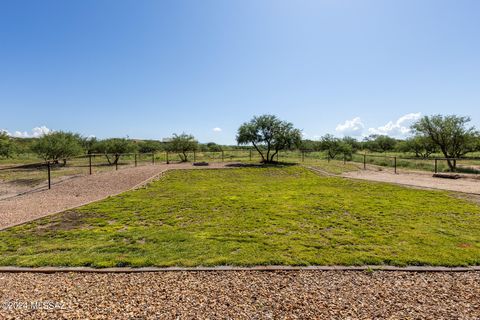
(223, 156)
(194, 157)
(250, 154)
(117, 158)
(395, 164)
(49, 176)
(436, 165)
(135, 159)
(277, 155)
(364, 161)
(166, 156)
(153, 157)
(90, 163)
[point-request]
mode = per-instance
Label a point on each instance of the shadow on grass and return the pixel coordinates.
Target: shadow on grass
(261, 165)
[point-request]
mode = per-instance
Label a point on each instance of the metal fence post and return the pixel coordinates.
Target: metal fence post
(166, 156)
(436, 165)
(49, 176)
(135, 159)
(250, 154)
(153, 157)
(395, 164)
(364, 161)
(90, 163)
(194, 157)
(223, 156)
(116, 161)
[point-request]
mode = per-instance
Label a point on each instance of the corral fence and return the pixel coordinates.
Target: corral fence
(18, 179)
(33, 176)
(466, 165)
(23, 178)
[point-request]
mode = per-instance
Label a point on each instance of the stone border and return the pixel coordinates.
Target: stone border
(233, 268)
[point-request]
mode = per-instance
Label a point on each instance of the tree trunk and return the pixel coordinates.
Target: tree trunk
(258, 150)
(273, 155)
(117, 157)
(108, 159)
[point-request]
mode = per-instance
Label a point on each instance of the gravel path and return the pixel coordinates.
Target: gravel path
(77, 191)
(417, 179)
(242, 295)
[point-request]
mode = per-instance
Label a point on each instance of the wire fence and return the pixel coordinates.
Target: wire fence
(23, 178)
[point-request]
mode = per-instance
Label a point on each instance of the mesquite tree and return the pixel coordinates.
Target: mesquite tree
(451, 134)
(58, 145)
(268, 135)
(182, 144)
(113, 148)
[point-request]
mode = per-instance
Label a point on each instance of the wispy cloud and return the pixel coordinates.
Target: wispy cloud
(217, 129)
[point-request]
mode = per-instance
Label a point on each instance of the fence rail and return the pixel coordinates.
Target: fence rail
(22, 178)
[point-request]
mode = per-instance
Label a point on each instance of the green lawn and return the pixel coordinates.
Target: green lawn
(254, 216)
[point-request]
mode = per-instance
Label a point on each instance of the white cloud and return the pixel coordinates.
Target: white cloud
(217, 129)
(399, 128)
(352, 127)
(35, 133)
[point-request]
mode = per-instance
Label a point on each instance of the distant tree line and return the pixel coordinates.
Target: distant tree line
(267, 134)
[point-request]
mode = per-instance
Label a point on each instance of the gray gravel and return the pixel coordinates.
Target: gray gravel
(242, 295)
(78, 191)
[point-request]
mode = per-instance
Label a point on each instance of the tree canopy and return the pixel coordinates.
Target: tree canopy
(6, 145)
(335, 146)
(379, 143)
(182, 144)
(114, 148)
(268, 135)
(450, 133)
(58, 145)
(422, 146)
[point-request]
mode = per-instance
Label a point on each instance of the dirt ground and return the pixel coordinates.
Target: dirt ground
(417, 179)
(80, 190)
(241, 295)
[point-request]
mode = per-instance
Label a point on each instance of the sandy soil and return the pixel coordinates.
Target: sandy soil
(418, 179)
(80, 190)
(241, 295)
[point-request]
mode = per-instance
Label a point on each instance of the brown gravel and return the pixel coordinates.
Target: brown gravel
(243, 295)
(417, 179)
(77, 191)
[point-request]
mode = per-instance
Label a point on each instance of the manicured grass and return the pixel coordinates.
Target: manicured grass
(254, 216)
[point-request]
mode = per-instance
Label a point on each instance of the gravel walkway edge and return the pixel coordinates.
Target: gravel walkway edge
(12, 269)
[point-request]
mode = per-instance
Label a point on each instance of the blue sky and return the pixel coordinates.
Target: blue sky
(147, 69)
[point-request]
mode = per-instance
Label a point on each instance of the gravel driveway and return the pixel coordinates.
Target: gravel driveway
(241, 295)
(77, 191)
(417, 179)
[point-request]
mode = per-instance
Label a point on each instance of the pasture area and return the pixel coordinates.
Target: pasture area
(281, 215)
